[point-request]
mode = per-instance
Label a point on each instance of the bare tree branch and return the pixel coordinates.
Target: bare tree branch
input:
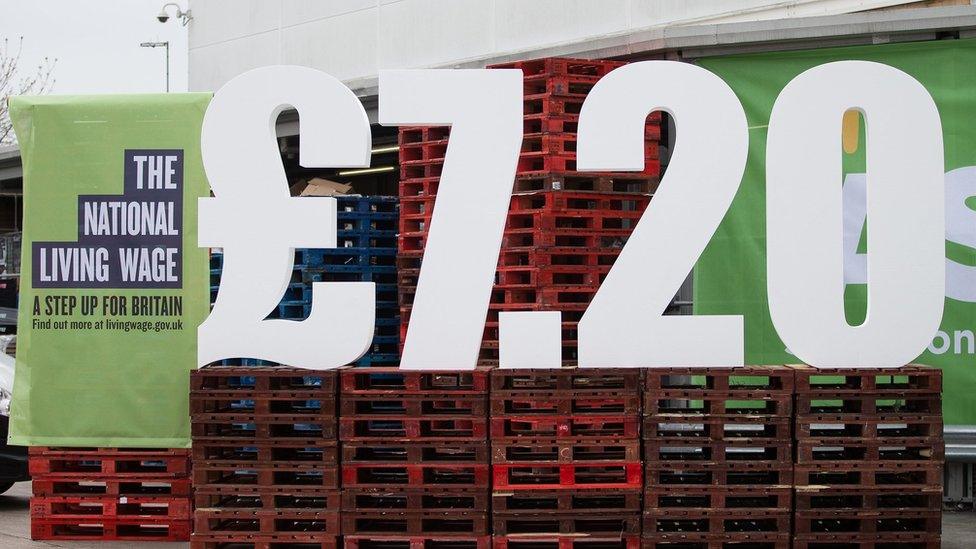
(12, 82)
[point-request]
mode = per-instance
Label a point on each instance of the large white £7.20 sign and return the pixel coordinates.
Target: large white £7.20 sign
(259, 225)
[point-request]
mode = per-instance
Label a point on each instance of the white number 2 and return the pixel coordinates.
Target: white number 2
(624, 326)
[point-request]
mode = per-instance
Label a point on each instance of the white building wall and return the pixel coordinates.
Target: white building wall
(353, 39)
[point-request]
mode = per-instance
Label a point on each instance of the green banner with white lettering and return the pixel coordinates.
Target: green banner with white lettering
(113, 285)
(730, 277)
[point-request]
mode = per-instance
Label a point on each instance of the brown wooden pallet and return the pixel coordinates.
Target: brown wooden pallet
(414, 406)
(110, 508)
(262, 427)
(673, 450)
(715, 521)
(281, 450)
(860, 498)
(707, 403)
(98, 452)
(240, 541)
(564, 450)
(411, 499)
(414, 523)
(576, 380)
(378, 428)
(720, 497)
(52, 485)
(730, 540)
(266, 378)
(301, 403)
(870, 450)
(746, 379)
(877, 541)
(447, 475)
(578, 501)
(583, 427)
(661, 475)
(717, 427)
(550, 476)
(862, 404)
(566, 542)
(870, 522)
(901, 426)
(396, 381)
(868, 475)
(416, 542)
(264, 474)
(269, 521)
(547, 522)
(565, 404)
(210, 496)
(912, 378)
(447, 452)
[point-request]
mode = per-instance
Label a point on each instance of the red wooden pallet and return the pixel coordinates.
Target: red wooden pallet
(578, 381)
(877, 498)
(128, 529)
(568, 237)
(267, 378)
(53, 485)
(259, 427)
(747, 379)
(556, 66)
(395, 381)
(870, 522)
(715, 521)
(551, 476)
(899, 381)
(909, 475)
(414, 406)
(569, 124)
(861, 450)
(566, 542)
(264, 474)
(536, 164)
(645, 182)
(98, 452)
(416, 134)
(110, 508)
(577, 427)
(578, 203)
(414, 523)
(379, 428)
(415, 453)
(745, 497)
(541, 257)
(210, 496)
(565, 451)
(577, 501)
(416, 542)
(264, 521)
(419, 186)
(281, 450)
(722, 427)
(86, 465)
(662, 475)
(410, 499)
(252, 541)
(711, 403)
(534, 277)
(528, 523)
(566, 85)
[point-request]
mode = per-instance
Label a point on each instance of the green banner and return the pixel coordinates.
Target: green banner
(730, 277)
(113, 285)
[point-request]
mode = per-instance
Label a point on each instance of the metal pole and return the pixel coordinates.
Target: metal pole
(167, 66)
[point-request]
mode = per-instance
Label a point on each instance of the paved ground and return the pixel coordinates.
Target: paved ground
(958, 529)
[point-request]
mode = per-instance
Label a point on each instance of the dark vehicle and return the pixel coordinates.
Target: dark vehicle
(13, 459)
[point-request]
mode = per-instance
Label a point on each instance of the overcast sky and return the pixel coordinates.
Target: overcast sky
(96, 43)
